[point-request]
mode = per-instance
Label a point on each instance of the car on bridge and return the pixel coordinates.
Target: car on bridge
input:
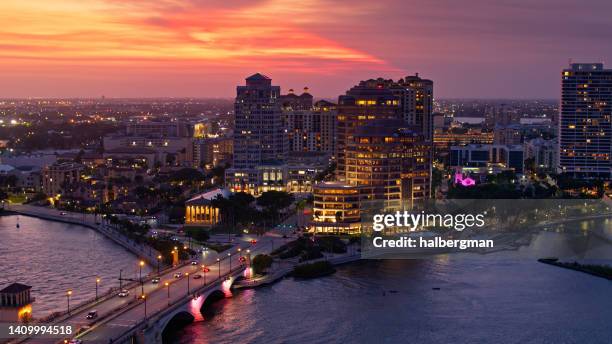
(194, 262)
(178, 275)
(155, 280)
(92, 315)
(197, 276)
(124, 293)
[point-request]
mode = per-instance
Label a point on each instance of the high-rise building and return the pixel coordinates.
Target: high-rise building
(259, 135)
(585, 125)
(310, 128)
(418, 103)
(390, 162)
(409, 99)
(369, 101)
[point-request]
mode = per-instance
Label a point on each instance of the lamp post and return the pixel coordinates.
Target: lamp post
(240, 252)
(230, 262)
(168, 287)
(158, 261)
(68, 293)
(187, 274)
(219, 261)
(144, 298)
(141, 282)
(97, 282)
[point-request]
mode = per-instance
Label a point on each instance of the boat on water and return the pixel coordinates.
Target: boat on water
(17, 225)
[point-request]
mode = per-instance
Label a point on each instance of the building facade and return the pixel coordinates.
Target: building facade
(57, 176)
(503, 156)
(259, 135)
(390, 162)
(336, 208)
(585, 123)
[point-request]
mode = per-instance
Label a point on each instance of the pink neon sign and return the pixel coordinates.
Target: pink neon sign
(464, 181)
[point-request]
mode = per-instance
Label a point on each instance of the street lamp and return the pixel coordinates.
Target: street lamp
(219, 261)
(68, 293)
(142, 263)
(187, 274)
(97, 282)
(168, 286)
(240, 252)
(158, 260)
(230, 262)
(144, 298)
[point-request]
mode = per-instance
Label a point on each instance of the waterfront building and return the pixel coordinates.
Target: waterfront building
(391, 162)
(16, 303)
(409, 99)
(57, 176)
(474, 155)
(585, 123)
(259, 135)
(369, 101)
(200, 211)
(336, 208)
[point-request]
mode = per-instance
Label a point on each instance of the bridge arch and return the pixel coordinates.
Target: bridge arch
(175, 322)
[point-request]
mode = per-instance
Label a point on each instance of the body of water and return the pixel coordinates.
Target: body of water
(505, 297)
(53, 257)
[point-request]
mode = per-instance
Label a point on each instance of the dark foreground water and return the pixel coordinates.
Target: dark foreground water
(53, 257)
(491, 299)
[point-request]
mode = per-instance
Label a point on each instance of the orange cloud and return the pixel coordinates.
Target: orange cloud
(262, 35)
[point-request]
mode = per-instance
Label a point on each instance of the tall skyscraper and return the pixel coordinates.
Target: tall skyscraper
(585, 125)
(369, 101)
(310, 127)
(418, 103)
(409, 99)
(259, 136)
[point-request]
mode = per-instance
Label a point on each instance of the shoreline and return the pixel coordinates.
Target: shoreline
(105, 230)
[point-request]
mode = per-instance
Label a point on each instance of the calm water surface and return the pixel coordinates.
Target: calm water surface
(53, 257)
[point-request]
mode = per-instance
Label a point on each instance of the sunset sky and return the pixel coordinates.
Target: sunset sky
(204, 48)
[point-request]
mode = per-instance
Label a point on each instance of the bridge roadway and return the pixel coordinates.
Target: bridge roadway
(117, 315)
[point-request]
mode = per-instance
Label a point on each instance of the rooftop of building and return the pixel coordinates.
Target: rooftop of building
(14, 288)
(206, 197)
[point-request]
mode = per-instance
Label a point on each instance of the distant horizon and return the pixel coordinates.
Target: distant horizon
(232, 98)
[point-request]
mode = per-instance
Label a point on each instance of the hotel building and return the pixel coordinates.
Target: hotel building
(585, 125)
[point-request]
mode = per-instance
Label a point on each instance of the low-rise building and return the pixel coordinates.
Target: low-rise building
(509, 156)
(57, 176)
(336, 208)
(199, 210)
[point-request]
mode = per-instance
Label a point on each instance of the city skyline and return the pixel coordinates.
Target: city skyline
(196, 49)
